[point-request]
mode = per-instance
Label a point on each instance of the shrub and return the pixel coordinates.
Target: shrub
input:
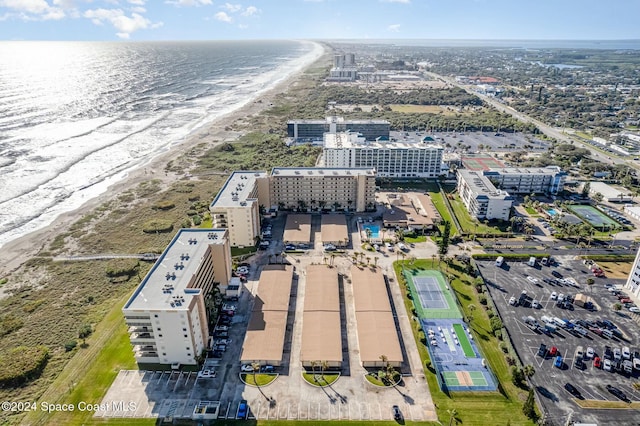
(503, 347)
(22, 364)
(85, 331)
(164, 205)
(529, 408)
(10, 323)
(157, 225)
(70, 345)
(498, 334)
(122, 267)
(517, 375)
(3, 281)
(482, 299)
(197, 220)
(496, 324)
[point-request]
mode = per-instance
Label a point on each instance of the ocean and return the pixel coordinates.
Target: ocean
(76, 117)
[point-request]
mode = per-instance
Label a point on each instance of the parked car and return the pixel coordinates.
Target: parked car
(397, 415)
(542, 350)
(573, 390)
(558, 362)
(513, 301)
(267, 369)
(626, 353)
(554, 296)
(597, 362)
(246, 368)
(553, 351)
(590, 352)
(608, 366)
(242, 410)
(634, 309)
(206, 374)
(617, 392)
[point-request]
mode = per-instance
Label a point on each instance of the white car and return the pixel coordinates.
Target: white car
(246, 368)
(535, 304)
(513, 301)
(626, 354)
(532, 279)
(617, 354)
(206, 374)
(590, 352)
(607, 365)
(554, 296)
(634, 309)
(243, 270)
(388, 246)
(561, 297)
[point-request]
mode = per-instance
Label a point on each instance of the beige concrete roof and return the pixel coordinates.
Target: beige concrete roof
(377, 336)
(321, 337)
(298, 228)
(410, 210)
(334, 228)
(321, 289)
(264, 340)
(430, 209)
(369, 290)
(274, 288)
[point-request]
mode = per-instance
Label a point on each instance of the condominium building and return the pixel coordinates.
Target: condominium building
(344, 68)
(237, 206)
(167, 315)
(633, 282)
(315, 129)
(482, 199)
(323, 188)
(528, 180)
(390, 159)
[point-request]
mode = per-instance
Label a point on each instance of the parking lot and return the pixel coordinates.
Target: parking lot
(511, 280)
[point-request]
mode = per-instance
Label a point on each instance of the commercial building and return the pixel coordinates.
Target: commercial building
(166, 314)
(313, 189)
(321, 327)
(389, 159)
(412, 211)
(610, 193)
(528, 180)
(237, 206)
(344, 68)
(633, 282)
(481, 198)
(376, 328)
(310, 130)
(264, 341)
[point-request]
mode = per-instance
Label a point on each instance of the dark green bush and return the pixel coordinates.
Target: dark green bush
(22, 364)
(157, 225)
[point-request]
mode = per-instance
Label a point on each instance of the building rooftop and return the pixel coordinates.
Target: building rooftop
(345, 140)
(297, 229)
(551, 170)
(608, 191)
(337, 120)
(334, 228)
(369, 290)
(274, 288)
(166, 286)
(264, 340)
(321, 289)
(321, 336)
(237, 189)
(480, 184)
(321, 171)
(410, 209)
(377, 336)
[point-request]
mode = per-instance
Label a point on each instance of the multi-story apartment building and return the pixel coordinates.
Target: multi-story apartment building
(528, 180)
(323, 188)
(167, 315)
(237, 206)
(315, 129)
(633, 282)
(389, 159)
(480, 196)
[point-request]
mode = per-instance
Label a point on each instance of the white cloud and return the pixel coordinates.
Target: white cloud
(137, 2)
(232, 7)
(222, 16)
(394, 28)
(185, 3)
(138, 9)
(251, 10)
(243, 26)
(396, 1)
(33, 10)
(126, 25)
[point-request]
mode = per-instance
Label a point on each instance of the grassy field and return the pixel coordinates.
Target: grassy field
(469, 225)
(531, 211)
(437, 197)
(474, 408)
(258, 379)
(616, 269)
(322, 379)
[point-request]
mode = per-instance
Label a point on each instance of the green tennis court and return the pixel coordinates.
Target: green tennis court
(464, 341)
(478, 378)
(428, 287)
(451, 378)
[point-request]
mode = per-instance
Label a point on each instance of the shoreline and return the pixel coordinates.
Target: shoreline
(16, 252)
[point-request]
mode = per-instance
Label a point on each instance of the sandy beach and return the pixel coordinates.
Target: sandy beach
(16, 252)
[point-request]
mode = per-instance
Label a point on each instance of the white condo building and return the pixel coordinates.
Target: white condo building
(633, 282)
(166, 315)
(389, 159)
(480, 196)
(528, 180)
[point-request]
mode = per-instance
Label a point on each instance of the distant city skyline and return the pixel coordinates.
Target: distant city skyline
(318, 19)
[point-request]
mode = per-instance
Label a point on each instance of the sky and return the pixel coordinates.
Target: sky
(318, 19)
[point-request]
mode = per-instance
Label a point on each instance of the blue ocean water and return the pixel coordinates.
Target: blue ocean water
(76, 116)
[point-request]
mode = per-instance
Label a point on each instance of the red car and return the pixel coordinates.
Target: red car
(553, 351)
(597, 363)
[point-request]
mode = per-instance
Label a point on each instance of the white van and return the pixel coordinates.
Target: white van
(579, 352)
(532, 261)
(560, 322)
(499, 261)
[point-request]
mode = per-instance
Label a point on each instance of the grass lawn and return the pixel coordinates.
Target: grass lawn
(474, 408)
(531, 211)
(237, 251)
(94, 368)
(438, 201)
(469, 225)
(322, 380)
(259, 380)
(207, 223)
(616, 269)
(418, 239)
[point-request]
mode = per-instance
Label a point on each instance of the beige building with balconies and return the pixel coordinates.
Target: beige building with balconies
(166, 315)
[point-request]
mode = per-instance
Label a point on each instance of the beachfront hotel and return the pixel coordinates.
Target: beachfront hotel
(528, 180)
(633, 282)
(481, 198)
(237, 205)
(389, 159)
(314, 130)
(166, 315)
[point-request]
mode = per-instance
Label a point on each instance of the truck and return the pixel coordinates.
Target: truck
(532, 261)
(499, 261)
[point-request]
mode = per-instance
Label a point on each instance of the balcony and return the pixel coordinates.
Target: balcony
(143, 339)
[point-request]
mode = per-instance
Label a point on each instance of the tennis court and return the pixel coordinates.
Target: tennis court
(481, 163)
(593, 216)
(464, 378)
(464, 341)
(431, 294)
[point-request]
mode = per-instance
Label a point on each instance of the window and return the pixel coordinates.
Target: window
(159, 335)
(185, 336)
(164, 354)
(184, 329)
(155, 315)
(188, 354)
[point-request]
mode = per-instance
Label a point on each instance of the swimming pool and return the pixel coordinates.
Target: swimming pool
(375, 229)
(552, 212)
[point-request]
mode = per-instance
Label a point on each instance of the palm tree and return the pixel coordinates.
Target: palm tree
(590, 282)
(433, 259)
(333, 257)
(528, 371)
(324, 260)
(324, 365)
(471, 308)
(313, 370)
(368, 232)
(375, 261)
(368, 260)
(256, 367)
(452, 415)
(354, 256)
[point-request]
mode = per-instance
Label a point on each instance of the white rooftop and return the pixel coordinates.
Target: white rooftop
(480, 184)
(608, 191)
(347, 140)
(165, 286)
(321, 171)
(237, 189)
